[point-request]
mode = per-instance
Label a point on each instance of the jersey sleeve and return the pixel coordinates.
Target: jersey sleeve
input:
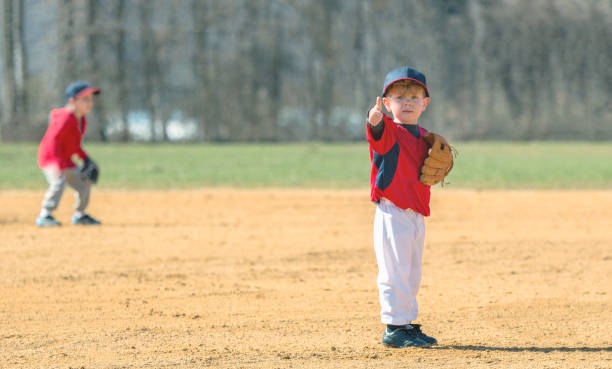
(386, 140)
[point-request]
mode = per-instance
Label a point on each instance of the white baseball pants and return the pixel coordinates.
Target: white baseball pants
(399, 238)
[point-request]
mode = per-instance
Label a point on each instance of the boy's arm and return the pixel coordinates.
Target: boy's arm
(376, 131)
(379, 138)
(375, 118)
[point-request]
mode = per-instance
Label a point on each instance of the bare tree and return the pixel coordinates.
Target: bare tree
(359, 57)
(320, 18)
(120, 67)
(21, 64)
(8, 63)
(93, 44)
(150, 66)
(251, 60)
(201, 99)
(65, 50)
(274, 79)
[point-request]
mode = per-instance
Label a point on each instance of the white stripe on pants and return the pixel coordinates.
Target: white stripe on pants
(399, 238)
(57, 182)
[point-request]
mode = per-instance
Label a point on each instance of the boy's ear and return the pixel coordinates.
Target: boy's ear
(426, 102)
(387, 103)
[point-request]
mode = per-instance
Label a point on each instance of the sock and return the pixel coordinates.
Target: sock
(78, 214)
(391, 327)
(44, 213)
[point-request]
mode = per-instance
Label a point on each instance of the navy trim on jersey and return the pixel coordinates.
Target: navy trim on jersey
(387, 165)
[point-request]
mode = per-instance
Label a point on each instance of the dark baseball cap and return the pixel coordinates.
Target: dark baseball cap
(80, 89)
(402, 73)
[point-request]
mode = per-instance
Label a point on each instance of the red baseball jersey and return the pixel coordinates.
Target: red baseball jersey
(397, 158)
(62, 140)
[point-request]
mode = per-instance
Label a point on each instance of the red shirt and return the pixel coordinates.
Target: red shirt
(62, 140)
(397, 158)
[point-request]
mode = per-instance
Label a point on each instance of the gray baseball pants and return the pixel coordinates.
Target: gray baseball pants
(57, 182)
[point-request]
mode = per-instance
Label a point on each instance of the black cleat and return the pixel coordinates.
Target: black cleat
(424, 337)
(85, 220)
(47, 221)
(405, 336)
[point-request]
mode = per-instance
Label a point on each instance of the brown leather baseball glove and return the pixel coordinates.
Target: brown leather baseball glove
(439, 162)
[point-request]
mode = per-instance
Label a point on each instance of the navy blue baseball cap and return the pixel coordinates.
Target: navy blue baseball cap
(402, 73)
(80, 89)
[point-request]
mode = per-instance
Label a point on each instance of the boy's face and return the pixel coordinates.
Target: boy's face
(82, 105)
(406, 103)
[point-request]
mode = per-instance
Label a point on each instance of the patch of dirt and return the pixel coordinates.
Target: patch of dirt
(227, 278)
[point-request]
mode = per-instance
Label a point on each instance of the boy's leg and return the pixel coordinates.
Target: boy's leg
(81, 187)
(81, 198)
(398, 242)
(417, 256)
(57, 183)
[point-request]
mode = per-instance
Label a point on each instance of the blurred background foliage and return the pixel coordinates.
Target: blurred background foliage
(298, 70)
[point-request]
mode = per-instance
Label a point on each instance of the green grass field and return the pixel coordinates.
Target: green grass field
(484, 165)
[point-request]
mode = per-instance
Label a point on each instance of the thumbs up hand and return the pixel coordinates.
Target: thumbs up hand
(375, 115)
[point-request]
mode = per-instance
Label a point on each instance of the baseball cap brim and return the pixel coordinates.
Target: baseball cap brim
(89, 91)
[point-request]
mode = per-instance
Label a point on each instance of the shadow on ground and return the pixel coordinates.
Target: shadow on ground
(519, 349)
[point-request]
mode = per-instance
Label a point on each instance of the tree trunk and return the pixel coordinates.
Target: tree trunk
(329, 67)
(166, 46)
(321, 22)
(65, 48)
(359, 58)
(253, 60)
(147, 39)
(274, 82)
(200, 25)
(22, 57)
(8, 61)
(120, 70)
(98, 119)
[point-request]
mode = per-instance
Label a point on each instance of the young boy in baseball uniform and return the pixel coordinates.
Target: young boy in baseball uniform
(61, 142)
(397, 152)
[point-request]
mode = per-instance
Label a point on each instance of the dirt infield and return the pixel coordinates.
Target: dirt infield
(287, 279)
